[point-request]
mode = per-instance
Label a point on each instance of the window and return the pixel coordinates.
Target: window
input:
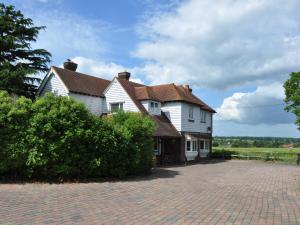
(156, 146)
(156, 105)
(206, 144)
(194, 146)
(202, 116)
(152, 104)
(201, 144)
(116, 107)
(191, 113)
(188, 145)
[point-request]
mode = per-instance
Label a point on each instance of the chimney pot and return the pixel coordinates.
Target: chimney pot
(124, 75)
(187, 87)
(70, 65)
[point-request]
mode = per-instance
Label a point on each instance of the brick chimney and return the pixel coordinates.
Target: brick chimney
(187, 87)
(124, 75)
(70, 65)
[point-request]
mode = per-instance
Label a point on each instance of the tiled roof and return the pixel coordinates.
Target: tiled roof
(82, 83)
(169, 93)
(164, 128)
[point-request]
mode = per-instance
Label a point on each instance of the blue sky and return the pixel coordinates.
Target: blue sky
(235, 54)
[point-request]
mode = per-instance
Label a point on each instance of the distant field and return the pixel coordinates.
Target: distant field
(268, 154)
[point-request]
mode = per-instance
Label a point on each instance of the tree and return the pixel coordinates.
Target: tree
(292, 93)
(18, 61)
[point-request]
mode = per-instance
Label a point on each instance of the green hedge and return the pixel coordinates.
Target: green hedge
(57, 137)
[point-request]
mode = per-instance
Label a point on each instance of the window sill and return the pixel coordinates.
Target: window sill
(191, 120)
(202, 122)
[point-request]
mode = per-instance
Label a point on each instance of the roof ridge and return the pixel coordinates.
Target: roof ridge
(84, 74)
(158, 85)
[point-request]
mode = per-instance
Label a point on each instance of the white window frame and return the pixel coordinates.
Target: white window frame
(195, 144)
(206, 145)
(120, 106)
(191, 112)
(202, 116)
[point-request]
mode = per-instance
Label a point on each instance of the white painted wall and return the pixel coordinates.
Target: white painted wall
(116, 93)
(152, 111)
(178, 113)
(196, 125)
(92, 103)
(54, 85)
(173, 112)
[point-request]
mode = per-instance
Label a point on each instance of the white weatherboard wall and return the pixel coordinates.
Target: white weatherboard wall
(116, 94)
(196, 125)
(55, 86)
(92, 103)
(173, 112)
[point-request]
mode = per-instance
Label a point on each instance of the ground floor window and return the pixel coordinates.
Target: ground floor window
(188, 145)
(207, 145)
(195, 145)
(157, 148)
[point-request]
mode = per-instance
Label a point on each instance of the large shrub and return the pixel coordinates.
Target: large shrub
(139, 129)
(57, 137)
(14, 121)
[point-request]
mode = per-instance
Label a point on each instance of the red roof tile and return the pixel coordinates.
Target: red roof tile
(82, 83)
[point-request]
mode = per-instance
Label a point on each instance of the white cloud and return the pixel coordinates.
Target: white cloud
(67, 34)
(222, 44)
(263, 106)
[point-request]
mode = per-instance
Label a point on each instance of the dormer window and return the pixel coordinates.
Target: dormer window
(153, 107)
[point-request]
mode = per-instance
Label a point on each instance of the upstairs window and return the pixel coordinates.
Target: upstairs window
(114, 107)
(156, 105)
(202, 116)
(191, 113)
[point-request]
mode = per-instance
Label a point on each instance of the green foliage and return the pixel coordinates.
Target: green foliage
(257, 142)
(14, 118)
(57, 137)
(18, 61)
(292, 93)
(138, 129)
(268, 154)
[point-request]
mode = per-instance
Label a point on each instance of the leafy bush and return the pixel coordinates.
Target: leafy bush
(14, 118)
(138, 129)
(57, 137)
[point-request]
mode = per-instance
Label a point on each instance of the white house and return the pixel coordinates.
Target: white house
(183, 121)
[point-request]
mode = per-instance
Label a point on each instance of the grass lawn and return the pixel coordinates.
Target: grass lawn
(268, 154)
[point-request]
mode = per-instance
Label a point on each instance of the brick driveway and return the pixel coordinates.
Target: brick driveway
(232, 192)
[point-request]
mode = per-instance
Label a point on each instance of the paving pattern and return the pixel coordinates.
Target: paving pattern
(230, 192)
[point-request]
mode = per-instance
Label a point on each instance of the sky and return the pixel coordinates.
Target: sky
(235, 54)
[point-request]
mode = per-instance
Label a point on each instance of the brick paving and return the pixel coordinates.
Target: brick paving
(231, 192)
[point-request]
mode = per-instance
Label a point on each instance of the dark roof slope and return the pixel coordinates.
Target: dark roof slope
(164, 128)
(82, 83)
